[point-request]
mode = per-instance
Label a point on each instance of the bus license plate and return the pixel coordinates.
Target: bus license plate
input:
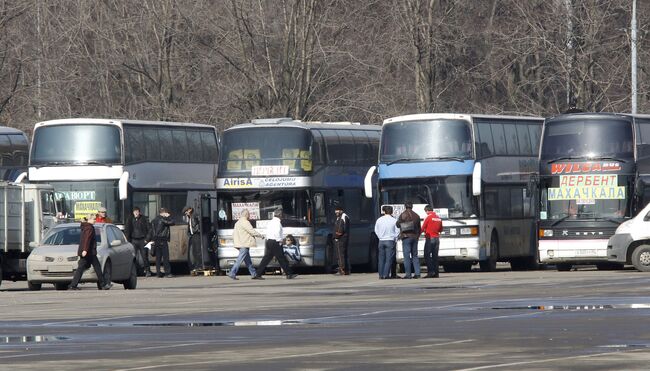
(589, 252)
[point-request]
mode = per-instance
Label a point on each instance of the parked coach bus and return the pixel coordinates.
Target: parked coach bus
(475, 171)
(594, 169)
(14, 152)
(119, 164)
(306, 169)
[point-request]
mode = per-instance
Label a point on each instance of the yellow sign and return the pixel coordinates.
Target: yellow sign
(234, 159)
(83, 209)
(291, 154)
(586, 193)
(252, 157)
(305, 163)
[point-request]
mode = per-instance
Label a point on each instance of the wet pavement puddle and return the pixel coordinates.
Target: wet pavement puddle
(30, 339)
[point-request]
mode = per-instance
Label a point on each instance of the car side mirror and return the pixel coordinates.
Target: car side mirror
(116, 243)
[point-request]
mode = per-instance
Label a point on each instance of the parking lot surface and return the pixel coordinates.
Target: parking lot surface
(584, 319)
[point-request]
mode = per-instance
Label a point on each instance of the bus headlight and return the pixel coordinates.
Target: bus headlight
(304, 240)
(226, 242)
(453, 231)
(546, 233)
(473, 231)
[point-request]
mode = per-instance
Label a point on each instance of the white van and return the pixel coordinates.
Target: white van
(631, 242)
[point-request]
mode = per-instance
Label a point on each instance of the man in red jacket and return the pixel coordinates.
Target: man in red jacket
(432, 226)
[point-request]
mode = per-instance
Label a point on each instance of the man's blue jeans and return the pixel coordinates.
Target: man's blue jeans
(385, 256)
(410, 251)
(246, 258)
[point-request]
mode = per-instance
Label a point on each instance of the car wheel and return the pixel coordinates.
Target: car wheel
(34, 286)
(61, 286)
(641, 258)
(563, 267)
(132, 282)
(108, 274)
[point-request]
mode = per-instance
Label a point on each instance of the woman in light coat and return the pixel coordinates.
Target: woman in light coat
(244, 238)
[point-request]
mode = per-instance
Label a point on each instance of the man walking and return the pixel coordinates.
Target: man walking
(87, 253)
(341, 240)
(161, 236)
(387, 233)
(244, 238)
(431, 227)
(194, 251)
(409, 225)
(138, 231)
(273, 247)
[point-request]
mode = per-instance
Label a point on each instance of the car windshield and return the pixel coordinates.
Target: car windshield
(68, 236)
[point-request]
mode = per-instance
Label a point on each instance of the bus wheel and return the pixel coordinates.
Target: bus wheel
(641, 258)
(457, 267)
(32, 286)
(528, 263)
(609, 266)
(563, 267)
(490, 265)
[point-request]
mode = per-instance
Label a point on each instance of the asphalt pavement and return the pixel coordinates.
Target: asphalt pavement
(585, 319)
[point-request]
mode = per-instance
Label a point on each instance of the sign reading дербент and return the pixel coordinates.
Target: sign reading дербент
(587, 187)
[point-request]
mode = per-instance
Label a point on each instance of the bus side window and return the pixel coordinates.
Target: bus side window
(320, 210)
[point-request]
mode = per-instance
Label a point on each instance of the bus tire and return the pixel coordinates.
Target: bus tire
(329, 253)
(32, 286)
(373, 254)
(490, 264)
(641, 258)
(563, 267)
(528, 263)
(457, 267)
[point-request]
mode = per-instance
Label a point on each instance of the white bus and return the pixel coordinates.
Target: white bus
(119, 164)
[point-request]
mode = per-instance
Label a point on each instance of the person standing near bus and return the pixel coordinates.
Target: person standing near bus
(341, 240)
(409, 225)
(432, 226)
(243, 236)
(87, 253)
(387, 233)
(138, 231)
(273, 247)
(194, 251)
(102, 216)
(161, 236)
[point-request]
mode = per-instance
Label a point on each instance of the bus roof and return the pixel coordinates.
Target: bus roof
(9, 130)
(307, 125)
(597, 116)
(117, 122)
(453, 116)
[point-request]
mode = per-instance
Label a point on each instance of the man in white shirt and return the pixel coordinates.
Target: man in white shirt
(387, 233)
(274, 247)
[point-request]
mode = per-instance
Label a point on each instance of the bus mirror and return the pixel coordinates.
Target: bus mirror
(476, 179)
(123, 185)
(367, 182)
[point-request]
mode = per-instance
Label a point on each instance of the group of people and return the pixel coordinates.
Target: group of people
(407, 228)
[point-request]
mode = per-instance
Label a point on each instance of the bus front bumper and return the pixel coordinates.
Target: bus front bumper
(572, 251)
(451, 249)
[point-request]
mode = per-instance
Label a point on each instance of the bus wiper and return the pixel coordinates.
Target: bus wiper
(566, 158)
(610, 158)
(560, 220)
(455, 158)
(403, 159)
(617, 222)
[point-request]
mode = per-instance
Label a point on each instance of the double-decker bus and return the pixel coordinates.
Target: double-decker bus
(591, 180)
(476, 172)
(306, 169)
(119, 164)
(14, 152)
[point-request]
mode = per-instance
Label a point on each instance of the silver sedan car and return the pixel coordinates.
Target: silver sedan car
(55, 259)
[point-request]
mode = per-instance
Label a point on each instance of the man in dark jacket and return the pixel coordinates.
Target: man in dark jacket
(138, 232)
(409, 225)
(87, 253)
(194, 253)
(160, 237)
(341, 240)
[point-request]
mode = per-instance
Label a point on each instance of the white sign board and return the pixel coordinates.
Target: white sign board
(269, 170)
(252, 207)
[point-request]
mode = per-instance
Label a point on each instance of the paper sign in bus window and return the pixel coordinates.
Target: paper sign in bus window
(289, 156)
(587, 188)
(234, 159)
(252, 207)
(86, 208)
(305, 162)
(252, 158)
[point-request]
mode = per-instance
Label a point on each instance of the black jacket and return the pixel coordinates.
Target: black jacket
(196, 225)
(160, 228)
(137, 228)
(87, 240)
(342, 226)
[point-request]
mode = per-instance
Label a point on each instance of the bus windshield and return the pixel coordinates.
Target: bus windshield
(81, 199)
(552, 208)
(413, 140)
(587, 138)
(452, 193)
(76, 144)
(261, 204)
(257, 146)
